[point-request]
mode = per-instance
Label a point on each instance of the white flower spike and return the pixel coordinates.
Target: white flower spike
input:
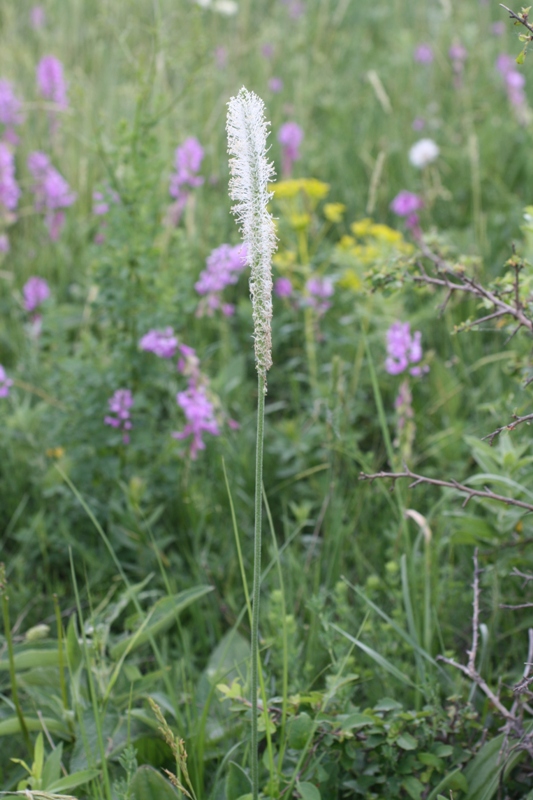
(251, 173)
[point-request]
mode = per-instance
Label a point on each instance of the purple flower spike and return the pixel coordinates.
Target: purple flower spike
(51, 81)
(52, 192)
(424, 54)
(9, 190)
(403, 349)
(187, 160)
(223, 267)
(120, 405)
(5, 383)
(406, 203)
(275, 85)
(290, 137)
(163, 343)
(37, 17)
(199, 413)
(10, 108)
(283, 287)
(35, 291)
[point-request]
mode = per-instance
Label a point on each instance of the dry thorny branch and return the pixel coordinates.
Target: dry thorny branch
(416, 479)
(514, 725)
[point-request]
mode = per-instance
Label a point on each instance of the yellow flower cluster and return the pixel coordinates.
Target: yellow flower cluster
(286, 190)
(370, 242)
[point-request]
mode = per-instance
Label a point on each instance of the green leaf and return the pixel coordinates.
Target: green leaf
(299, 730)
(431, 760)
(446, 783)
(379, 659)
(27, 659)
(521, 57)
(413, 787)
(38, 757)
(162, 616)
(148, 784)
(308, 791)
(407, 742)
(11, 725)
(52, 766)
(73, 780)
(237, 782)
(351, 721)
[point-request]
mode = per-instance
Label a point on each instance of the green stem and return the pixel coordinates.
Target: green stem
(12, 675)
(257, 576)
(62, 682)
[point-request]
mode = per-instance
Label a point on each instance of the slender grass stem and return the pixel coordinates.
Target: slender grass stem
(60, 653)
(257, 576)
(12, 674)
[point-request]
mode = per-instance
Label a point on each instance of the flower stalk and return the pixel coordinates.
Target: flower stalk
(250, 174)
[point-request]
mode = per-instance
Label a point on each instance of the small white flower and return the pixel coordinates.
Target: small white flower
(226, 7)
(423, 153)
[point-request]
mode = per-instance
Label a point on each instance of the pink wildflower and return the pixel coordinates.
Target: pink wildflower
(5, 383)
(51, 81)
(35, 291)
(290, 137)
(120, 405)
(199, 413)
(163, 343)
(52, 192)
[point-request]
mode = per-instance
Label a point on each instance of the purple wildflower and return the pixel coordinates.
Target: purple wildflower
(199, 413)
(163, 343)
(424, 54)
(37, 17)
(403, 349)
(189, 364)
(10, 110)
(290, 137)
(514, 85)
(457, 52)
(35, 291)
(52, 192)
(319, 289)
(275, 85)
(120, 405)
(5, 382)
(406, 203)
(221, 57)
(498, 28)
(223, 267)
(187, 160)
(9, 190)
(283, 287)
(51, 81)
(295, 8)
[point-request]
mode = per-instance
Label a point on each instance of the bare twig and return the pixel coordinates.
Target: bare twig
(518, 17)
(509, 427)
(460, 487)
(470, 670)
(456, 281)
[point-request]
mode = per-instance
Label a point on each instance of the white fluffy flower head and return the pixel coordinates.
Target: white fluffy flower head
(423, 153)
(251, 173)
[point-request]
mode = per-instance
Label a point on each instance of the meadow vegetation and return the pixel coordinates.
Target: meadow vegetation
(395, 633)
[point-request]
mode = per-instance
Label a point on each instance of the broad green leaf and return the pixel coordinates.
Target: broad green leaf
(407, 742)
(27, 659)
(163, 615)
(237, 782)
(52, 766)
(11, 725)
(148, 784)
(73, 780)
(355, 721)
(299, 730)
(413, 787)
(445, 784)
(38, 757)
(308, 791)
